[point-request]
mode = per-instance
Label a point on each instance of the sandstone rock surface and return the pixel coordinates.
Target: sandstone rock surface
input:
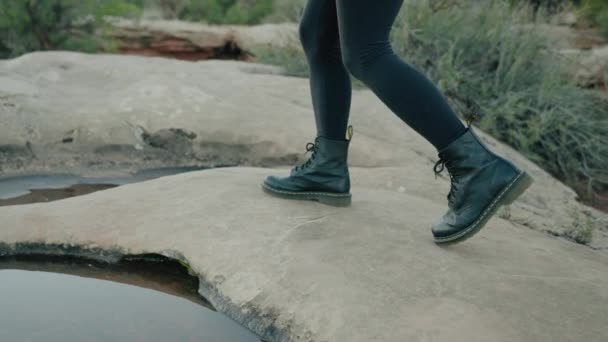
(289, 271)
(301, 271)
(105, 114)
(593, 70)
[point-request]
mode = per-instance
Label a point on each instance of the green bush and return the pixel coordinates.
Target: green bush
(287, 11)
(171, 9)
(244, 12)
(491, 66)
(33, 25)
(249, 13)
(291, 59)
(490, 63)
(548, 5)
(597, 11)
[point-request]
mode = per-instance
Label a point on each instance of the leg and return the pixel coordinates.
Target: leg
(481, 180)
(368, 55)
(324, 176)
(330, 84)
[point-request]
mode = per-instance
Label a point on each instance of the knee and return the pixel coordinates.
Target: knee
(359, 61)
(352, 62)
(321, 46)
(309, 37)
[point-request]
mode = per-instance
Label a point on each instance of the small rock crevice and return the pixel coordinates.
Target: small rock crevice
(175, 140)
(162, 45)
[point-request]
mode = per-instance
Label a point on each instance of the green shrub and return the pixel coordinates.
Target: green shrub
(488, 62)
(490, 65)
(244, 12)
(249, 13)
(291, 59)
(287, 11)
(597, 11)
(171, 9)
(33, 25)
(212, 11)
(548, 5)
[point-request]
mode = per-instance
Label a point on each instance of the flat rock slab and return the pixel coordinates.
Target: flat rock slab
(301, 271)
(84, 114)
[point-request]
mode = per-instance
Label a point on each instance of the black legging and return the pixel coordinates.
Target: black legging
(342, 36)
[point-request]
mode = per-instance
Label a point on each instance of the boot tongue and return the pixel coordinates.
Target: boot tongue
(452, 158)
(459, 148)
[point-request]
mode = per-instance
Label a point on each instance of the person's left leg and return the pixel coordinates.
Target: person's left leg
(324, 177)
(367, 53)
(481, 180)
(330, 86)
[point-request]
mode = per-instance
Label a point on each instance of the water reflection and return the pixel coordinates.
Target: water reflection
(46, 188)
(84, 301)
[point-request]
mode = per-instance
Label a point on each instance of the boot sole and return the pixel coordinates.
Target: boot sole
(507, 196)
(328, 198)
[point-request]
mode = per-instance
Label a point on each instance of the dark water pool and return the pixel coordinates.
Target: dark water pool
(41, 302)
(46, 188)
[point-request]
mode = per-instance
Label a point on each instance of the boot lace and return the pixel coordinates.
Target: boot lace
(441, 165)
(310, 147)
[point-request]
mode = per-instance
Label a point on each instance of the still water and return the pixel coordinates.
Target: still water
(57, 307)
(51, 187)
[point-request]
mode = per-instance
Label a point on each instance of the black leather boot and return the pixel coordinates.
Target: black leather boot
(481, 183)
(323, 177)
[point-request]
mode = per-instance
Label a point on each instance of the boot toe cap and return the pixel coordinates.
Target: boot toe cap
(281, 184)
(447, 226)
(273, 181)
(443, 230)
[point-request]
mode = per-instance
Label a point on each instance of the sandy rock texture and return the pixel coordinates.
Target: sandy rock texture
(289, 271)
(101, 114)
(301, 271)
